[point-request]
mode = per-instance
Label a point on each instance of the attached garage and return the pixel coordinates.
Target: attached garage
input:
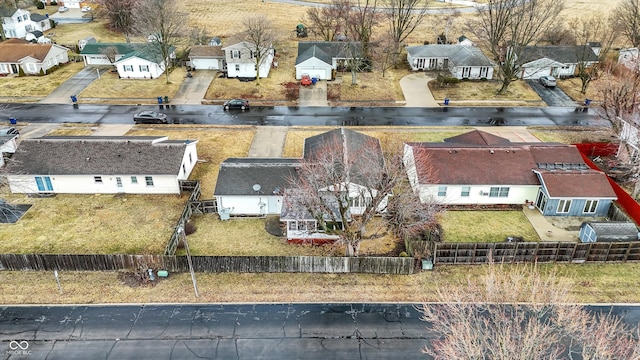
(206, 57)
(314, 67)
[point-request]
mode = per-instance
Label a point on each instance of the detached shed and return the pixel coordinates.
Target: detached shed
(616, 231)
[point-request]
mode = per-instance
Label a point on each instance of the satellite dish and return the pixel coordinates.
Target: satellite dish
(257, 187)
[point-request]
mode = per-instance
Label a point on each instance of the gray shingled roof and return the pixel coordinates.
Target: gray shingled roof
(94, 155)
(37, 17)
(561, 54)
(121, 48)
(459, 55)
(238, 175)
(326, 50)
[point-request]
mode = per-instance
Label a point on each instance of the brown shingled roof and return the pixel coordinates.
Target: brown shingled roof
(206, 51)
(583, 184)
(477, 137)
(14, 51)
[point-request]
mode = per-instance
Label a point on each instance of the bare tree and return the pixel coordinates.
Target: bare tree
(350, 187)
(260, 35)
(119, 15)
(403, 17)
(619, 90)
(163, 22)
(360, 22)
(327, 22)
(110, 52)
(627, 20)
(520, 313)
(506, 27)
(594, 28)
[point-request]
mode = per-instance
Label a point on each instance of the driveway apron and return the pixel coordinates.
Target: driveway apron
(552, 97)
(416, 90)
(74, 86)
(313, 95)
(194, 89)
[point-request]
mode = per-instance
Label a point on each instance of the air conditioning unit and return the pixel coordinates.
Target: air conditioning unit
(482, 193)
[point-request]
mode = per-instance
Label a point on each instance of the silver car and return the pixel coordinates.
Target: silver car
(548, 81)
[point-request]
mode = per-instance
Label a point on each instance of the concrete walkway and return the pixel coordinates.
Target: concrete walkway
(547, 231)
(416, 92)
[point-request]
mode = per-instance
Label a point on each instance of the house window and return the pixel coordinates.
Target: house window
(293, 225)
(466, 72)
(31, 67)
(97, 179)
(134, 180)
(564, 206)
(433, 63)
(190, 159)
(44, 183)
(499, 192)
(25, 17)
(484, 72)
(235, 54)
(19, 19)
(442, 191)
(590, 206)
(148, 180)
(128, 68)
(237, 67)
(465, 191)
(184, 169)
(144, 68)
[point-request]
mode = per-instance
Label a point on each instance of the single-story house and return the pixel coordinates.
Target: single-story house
(609, 231)
(629, 58)
(207, 57)
(8, 146)
(253, 186)
(132, 60)
(258, 186)
(101, 165)
(16, 54)
(463, 62)
(557, 61)
(481, 169)
(240, 58)
(36, 36)
(321, 58)
(18, 23)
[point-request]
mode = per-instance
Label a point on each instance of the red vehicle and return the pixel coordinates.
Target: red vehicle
(306, 80)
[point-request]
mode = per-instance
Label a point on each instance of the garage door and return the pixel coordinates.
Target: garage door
(322, 73)
(535, 73)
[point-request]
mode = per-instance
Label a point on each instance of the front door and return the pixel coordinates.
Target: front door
(119, 184)
(541, 200)
(14, 69)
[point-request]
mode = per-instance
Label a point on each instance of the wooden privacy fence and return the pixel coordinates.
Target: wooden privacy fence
(210, 264)
(543, 252)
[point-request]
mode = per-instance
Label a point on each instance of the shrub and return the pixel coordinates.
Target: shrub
(20, 71)
(189, 228)
(40, 5)
(404, 254)
(42, 72)
(53, 3)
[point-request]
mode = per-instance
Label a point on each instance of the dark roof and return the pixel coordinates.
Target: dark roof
(98, 155)
(238, 175)
(459, 55)
(206, 51)
(37, 33)
(98, 48)
(577, 184)
(327, 50)
(477, 137)
(562, 54)
(37, 17)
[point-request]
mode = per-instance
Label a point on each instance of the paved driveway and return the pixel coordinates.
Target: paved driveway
(193, 89)
(416, 90)
(313, 95)
(552, 97)
(75, 85)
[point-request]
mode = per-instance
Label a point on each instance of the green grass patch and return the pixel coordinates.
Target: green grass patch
(486, 226)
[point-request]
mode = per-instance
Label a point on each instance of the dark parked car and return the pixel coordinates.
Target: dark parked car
(236, 104)
(9, 131)
(150, 117)
(548, 81)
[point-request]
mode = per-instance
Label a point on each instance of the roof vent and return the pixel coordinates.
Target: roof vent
(88, 158)
(491, 152)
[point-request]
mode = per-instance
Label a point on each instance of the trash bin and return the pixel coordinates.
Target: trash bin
(314, 81)
(13, 120)
(166, 99)
(163, 273)
(446, 101)
(74, 99)
(427, 264)
(159, 99)
(587, 102)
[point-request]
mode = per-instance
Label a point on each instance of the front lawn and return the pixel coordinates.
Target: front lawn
(484, 93)
(31, 87)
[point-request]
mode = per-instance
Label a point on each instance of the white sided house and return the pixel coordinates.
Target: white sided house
(101, 165)
(629, 58)
(557, 61)
(16, 54)
(241, 60)
(207, 57)
(132, 60)
(18, 23)
(480, 169)
(320, 59)
(463, 62)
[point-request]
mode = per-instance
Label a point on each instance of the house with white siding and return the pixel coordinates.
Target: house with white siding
(241, 60)
(101, 165)
(17, 23)
(462, 61)
(132, 60)
(16, 54)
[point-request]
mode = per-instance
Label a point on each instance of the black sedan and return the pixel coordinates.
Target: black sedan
(150, 117)
(236, 104)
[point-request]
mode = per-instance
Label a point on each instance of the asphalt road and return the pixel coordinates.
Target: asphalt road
(203, 331)
(307, 116)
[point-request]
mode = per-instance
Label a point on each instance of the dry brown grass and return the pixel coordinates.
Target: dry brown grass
(574, 135)
(110, 86)
(595, 283)
(485, 91)
(27, 87)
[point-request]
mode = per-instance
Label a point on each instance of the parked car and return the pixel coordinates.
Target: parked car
(63, 9)
(9, 131)
(150, 117)
(305, 80)
(241, 104)
(86, 8)
(548, 81)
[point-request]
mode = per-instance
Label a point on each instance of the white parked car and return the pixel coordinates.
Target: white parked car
(63, 9)
(86, 8)
(548, 81)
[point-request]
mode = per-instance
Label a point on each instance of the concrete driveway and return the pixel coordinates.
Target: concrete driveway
(75, 85)
(193, 89)
(552, 97)
(416, 90)
(313, 95)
